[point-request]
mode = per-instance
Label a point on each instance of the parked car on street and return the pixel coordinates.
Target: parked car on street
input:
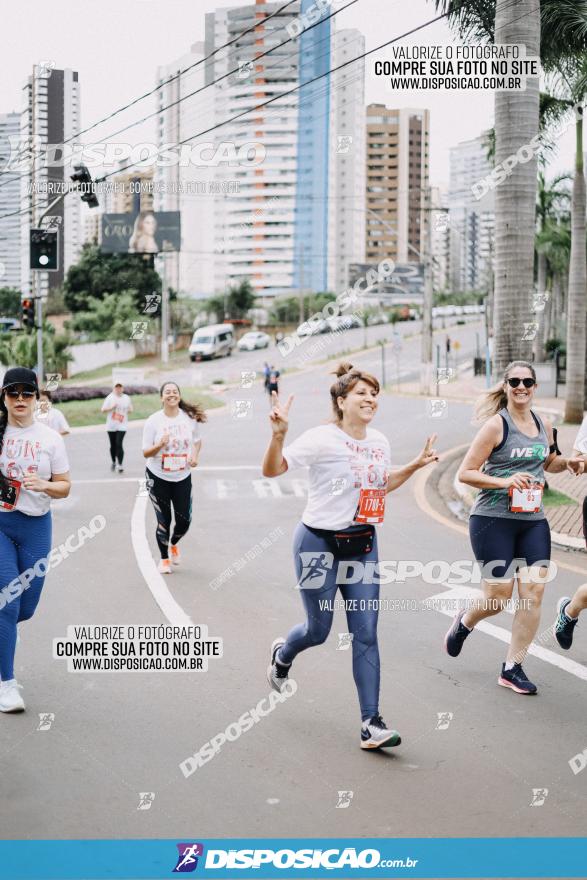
(252, 340)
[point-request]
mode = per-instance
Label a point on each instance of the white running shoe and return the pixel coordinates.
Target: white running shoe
(10, 699)
(375, 734)
(165, 566)
(277, 675)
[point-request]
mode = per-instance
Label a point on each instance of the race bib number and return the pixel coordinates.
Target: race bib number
(371, 506)
(172, 462)
(117, 417)
(526, 500)
(9, 494)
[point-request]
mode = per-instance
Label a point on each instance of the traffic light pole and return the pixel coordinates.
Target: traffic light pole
(39, 301)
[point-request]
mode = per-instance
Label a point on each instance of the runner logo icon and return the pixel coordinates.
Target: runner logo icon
(315, 564)
(187, 859)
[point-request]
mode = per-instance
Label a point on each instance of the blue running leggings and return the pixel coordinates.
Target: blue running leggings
(361, 601)
(24, 540)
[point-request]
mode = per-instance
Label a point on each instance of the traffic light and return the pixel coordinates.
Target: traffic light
(28, 313)
(44, 250)
(83, 179)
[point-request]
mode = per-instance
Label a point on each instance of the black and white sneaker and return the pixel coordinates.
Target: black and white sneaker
(455, 637)
(564, 626)
(277, 672)
(375, 734)
(113, 466)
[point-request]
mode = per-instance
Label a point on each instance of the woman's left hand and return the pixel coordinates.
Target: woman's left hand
(428, 454)
(193, 461)
(34, 483)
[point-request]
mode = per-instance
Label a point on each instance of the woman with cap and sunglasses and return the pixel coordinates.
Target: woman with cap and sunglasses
(509, 532)
(171, 445)
(33, 470)
(349, 478)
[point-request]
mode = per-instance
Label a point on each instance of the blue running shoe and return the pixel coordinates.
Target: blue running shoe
(455, 637)
(516, 679)
(564, 626)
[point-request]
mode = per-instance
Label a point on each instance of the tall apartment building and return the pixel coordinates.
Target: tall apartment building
(397, 179)
(50, 116)
(279, 228)
(440, 237)
(187, 185)
(10, 271)
(472, 221)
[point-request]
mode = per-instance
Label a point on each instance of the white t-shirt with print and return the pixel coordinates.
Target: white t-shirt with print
(581, 438)
(340, 467)
(172, 462)
(117, 420)
(33, 450)
(53, 419)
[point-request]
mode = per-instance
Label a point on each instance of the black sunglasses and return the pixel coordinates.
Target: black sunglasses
(527, 383)
(15, 393)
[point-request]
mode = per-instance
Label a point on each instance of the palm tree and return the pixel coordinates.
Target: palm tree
(516, 124)
(568, 87)
(554, 241)
(552, 200)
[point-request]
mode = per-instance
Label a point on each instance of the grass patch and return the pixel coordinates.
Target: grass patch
(552, 498)
(80, 413)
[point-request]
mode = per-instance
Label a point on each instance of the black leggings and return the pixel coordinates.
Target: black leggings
(164, 493)
(116, 441)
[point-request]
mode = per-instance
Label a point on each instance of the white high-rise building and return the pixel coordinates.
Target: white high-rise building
(50, 116)
(440, 235)
(347, 166)
(472, 221)
(187, 185)
(9, 203)
(287, 226)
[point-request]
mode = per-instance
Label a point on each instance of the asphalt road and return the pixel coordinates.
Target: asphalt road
(315, 349)
(117, 735)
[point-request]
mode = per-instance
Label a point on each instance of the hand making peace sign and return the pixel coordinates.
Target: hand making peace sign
(279, 415)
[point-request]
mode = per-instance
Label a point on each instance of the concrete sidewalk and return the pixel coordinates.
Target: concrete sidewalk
(566, 520)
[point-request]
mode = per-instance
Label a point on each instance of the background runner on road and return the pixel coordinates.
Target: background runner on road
(172, 444)
(49, 415)
(33, 470)
(349, 477)
(118, 405)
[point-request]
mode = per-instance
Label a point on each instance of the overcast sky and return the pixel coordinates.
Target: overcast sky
(116, 47)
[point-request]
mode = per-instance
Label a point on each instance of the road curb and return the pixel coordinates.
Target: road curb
(464, 494)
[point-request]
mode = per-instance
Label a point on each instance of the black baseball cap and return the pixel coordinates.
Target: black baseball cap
(20, 376)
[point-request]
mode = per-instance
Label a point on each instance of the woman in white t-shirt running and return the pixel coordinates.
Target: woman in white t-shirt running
(349, 479)
(118, 405)
(171, 445)
(49, 415)
(33, 470)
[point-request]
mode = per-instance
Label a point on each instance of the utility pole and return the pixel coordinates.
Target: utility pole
(164, 314)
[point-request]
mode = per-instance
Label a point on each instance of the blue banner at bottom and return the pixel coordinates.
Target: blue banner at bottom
(301, 857)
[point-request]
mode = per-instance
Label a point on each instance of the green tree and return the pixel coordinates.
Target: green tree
(10, 299)
(552, 202)
(109, 318)
(96, 275)
(240, 298)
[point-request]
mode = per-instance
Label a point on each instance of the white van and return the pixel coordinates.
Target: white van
(216, 340)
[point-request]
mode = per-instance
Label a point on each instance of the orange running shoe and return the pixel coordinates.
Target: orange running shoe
(175, 554)
(165, 566)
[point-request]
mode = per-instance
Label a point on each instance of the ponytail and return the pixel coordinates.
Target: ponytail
(193, 410)
(496, 399)
(3, 424)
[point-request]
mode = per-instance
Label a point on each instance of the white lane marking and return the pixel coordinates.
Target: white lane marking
(503, 635)
(230, 467)
(154, 580)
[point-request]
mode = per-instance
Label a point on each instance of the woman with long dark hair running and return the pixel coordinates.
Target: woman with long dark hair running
(509, 532)
(349, 478)
(171, 445)
(33, 470)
